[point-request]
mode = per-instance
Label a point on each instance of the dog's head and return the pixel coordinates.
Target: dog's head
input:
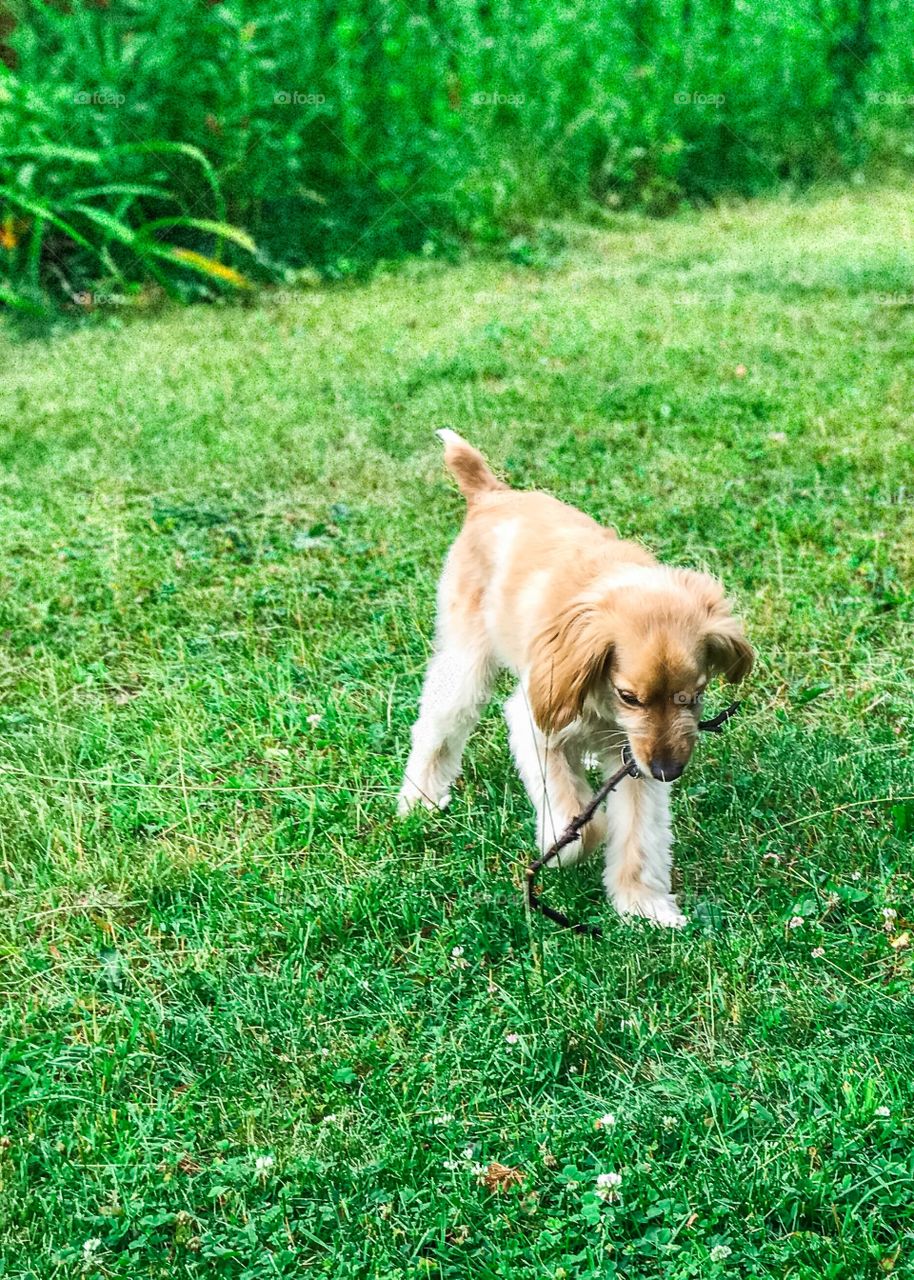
(640, 654)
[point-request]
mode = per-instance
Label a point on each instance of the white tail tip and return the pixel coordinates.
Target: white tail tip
(447, 436)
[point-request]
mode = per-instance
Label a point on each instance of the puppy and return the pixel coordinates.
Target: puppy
(608, 645)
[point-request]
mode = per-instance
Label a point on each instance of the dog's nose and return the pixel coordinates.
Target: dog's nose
(666, 770)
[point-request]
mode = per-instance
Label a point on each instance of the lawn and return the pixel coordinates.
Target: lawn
(255, 1026)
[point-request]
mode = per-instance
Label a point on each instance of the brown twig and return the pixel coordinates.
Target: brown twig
(627, 769)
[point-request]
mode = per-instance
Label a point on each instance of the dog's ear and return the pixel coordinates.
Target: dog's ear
(729, 653)
(568, 657)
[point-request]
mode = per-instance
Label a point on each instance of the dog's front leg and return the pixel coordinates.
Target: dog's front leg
(559, 791)
(639, 858)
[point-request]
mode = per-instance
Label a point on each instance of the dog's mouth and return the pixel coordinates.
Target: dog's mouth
(659, 767)
(666, 770)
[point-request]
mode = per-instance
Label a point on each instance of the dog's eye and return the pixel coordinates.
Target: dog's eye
(628, 698)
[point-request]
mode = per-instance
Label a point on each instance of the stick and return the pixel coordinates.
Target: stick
(628, 768)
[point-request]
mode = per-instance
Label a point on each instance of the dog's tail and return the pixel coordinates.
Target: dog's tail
(467, 465)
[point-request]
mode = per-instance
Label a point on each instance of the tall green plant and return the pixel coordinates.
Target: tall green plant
(77, 215)
(342, 131)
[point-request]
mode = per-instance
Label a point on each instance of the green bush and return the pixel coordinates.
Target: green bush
(342, 131)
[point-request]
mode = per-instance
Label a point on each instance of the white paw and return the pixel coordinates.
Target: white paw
(659, 908)
(411, 795)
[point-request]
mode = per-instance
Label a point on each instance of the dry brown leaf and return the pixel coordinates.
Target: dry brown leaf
(499, 1177)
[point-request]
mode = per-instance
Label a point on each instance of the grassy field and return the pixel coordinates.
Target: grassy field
(254, 1026)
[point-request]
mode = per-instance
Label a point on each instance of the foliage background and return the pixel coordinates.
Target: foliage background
(342, 131)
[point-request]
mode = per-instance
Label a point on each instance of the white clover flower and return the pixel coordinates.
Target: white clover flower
(795, 922)
(889, 916)
(720, 1251)
(451, 1165)
(607, 1184)
(817, 953)
(855, 875)
(90, 1250)
(512, 1037)
(469, 1152)
(263, 1165)
(884, 1112)
(605, 1122)
(331, 1118)
(445, 1118)
(479, 1170)
(456, 952)
(315, 720)
(669, 1122)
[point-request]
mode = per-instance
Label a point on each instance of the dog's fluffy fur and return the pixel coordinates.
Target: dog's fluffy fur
(609, 646)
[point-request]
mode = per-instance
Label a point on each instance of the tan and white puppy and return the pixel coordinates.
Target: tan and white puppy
(609, 646)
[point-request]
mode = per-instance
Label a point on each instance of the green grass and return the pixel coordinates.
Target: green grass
(218, 944)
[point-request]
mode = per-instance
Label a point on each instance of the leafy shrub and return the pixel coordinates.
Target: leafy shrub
(342, 131)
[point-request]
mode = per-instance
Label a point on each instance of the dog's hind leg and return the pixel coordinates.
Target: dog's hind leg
(558, 790)
(457, 686)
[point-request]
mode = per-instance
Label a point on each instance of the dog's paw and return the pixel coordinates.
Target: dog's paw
(410, 796)
(658, 908)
